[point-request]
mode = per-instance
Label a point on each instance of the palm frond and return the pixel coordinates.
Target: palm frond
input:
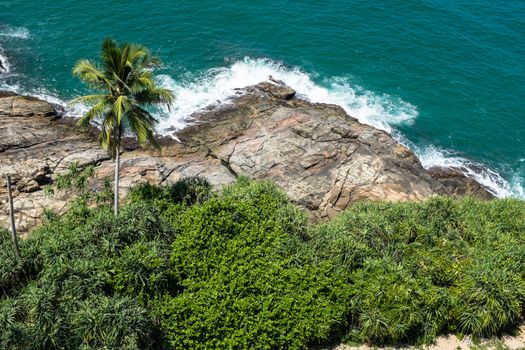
(97, 111)
(88, 99)
(154, 95)
(89, 73)
(140, 80)
(110, 56)
(142, 124)
(107, 133)
(137, 55)
(151, 62)
(121, 107)
(124, 57)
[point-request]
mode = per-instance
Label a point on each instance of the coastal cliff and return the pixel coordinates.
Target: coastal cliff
(321, 157)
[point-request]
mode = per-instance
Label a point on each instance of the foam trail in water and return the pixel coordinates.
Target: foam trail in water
(14, 32)
(10, 32)
(218, 84)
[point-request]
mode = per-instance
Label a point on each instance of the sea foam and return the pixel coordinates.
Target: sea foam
(218, 84)
(379, 110)
(14, 32)
(10, 32)
(4, 63)
(432, 156)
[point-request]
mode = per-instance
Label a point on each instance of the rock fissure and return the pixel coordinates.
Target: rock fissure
(225, 164)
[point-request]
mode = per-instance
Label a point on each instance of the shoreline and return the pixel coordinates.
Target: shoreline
(430, 157)
(220, 132)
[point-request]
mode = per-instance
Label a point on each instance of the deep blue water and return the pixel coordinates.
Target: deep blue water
(445, 77)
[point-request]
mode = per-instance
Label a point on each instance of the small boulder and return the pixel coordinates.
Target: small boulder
(277, 89)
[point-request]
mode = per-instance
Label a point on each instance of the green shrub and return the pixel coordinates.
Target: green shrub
(102, 322)
(188, 190)
(136, 222)
(14, 334)
(489, 298)
(239, 290)
(145, 192)
(258, 305)
(11, 270)
(64, 295)
(173, 199)
(390, 305)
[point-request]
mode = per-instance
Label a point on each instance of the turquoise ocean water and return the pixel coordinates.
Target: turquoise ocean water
(447, 78)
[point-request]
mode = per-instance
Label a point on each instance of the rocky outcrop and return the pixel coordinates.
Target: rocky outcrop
(35, 145)
(458, 184)
(321, 157)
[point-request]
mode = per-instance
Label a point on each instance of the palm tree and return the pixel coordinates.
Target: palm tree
(125, 84)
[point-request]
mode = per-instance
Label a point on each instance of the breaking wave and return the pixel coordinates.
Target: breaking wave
(492, 180)
(379, 110)
(4, 63)
(218, 84)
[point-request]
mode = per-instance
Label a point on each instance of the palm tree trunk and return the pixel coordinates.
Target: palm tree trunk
(117, 178)
(12, 217)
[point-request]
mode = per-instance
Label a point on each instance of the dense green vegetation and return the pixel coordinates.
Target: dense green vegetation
(185, 267)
